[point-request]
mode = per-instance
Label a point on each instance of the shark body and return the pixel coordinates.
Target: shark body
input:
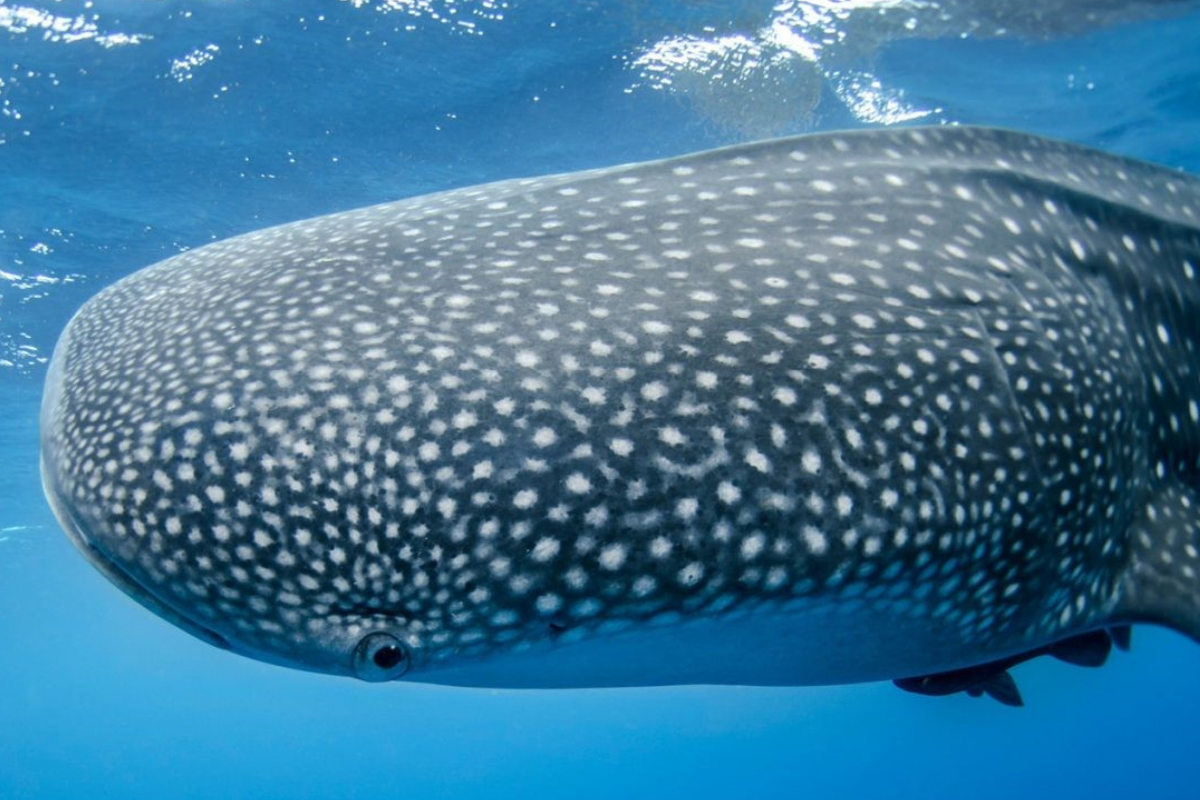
(826, 409)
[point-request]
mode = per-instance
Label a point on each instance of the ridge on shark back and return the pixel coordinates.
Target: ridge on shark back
(896, 404)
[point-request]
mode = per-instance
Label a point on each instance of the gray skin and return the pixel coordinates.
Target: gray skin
(825, 409)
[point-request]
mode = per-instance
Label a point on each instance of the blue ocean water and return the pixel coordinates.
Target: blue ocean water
(131, 130)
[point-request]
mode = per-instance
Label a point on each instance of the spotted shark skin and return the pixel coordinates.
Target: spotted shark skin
(836, 408)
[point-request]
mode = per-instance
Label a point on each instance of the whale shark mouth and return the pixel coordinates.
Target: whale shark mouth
(110, 569)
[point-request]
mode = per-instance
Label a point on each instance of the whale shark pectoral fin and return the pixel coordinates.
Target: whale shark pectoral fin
(1162, 581)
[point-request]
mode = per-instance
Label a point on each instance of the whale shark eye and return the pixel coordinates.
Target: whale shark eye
(380, 657)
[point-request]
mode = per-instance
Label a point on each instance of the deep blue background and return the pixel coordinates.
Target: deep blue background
(109, 162)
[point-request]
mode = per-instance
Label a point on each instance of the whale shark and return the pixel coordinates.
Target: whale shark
(910, 404)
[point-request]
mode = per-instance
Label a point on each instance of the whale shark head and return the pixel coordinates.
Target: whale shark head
(832, 408)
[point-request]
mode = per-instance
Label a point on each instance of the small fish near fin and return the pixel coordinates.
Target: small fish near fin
(993, 679)
(1162, 582)
(1000, 687)
(1086, 650)
(1122, 636)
